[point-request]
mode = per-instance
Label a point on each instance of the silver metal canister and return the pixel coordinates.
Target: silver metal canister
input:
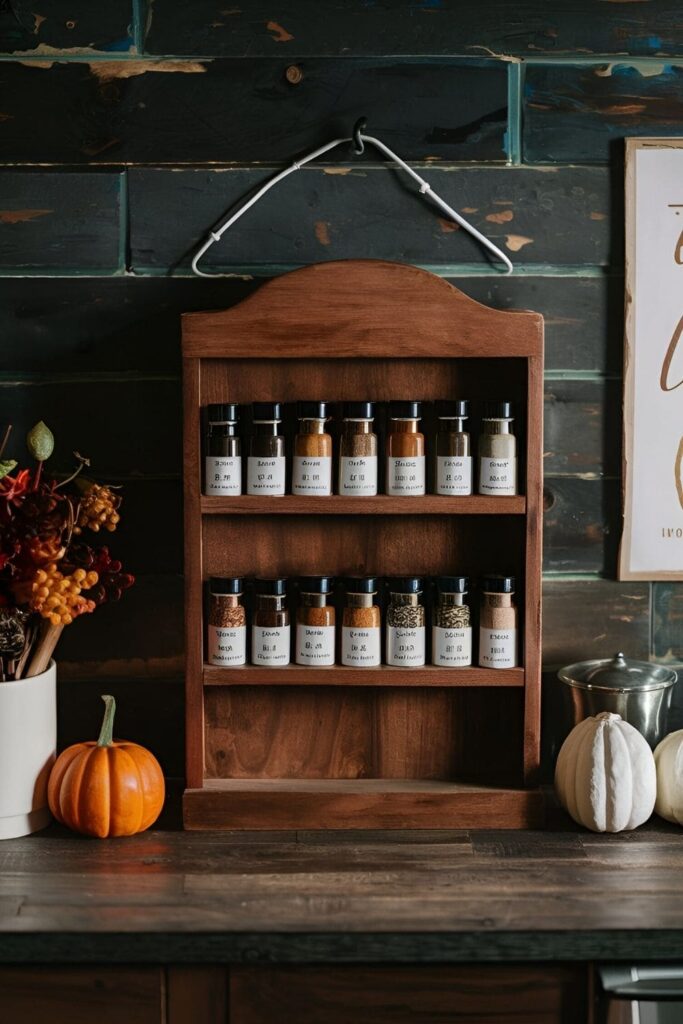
(637, 690)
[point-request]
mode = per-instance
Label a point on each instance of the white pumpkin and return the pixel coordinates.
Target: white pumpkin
(605, 775)
(669, 762)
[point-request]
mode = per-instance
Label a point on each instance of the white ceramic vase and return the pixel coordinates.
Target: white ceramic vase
(28, 742)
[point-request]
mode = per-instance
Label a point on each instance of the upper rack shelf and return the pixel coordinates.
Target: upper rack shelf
(381, 505)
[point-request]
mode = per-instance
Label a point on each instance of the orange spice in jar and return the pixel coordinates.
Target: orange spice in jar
(361, 621)
(405, 450)
(315, 622)
(312, 463)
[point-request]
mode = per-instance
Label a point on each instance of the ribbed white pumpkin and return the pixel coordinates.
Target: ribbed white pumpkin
(669, 761)
(605, 775)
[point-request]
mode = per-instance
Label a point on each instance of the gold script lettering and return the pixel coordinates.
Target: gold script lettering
(670, 353)
(678, 251)
(677, 472)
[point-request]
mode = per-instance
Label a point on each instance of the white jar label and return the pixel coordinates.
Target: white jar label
(497, 648)
(451, 648)
(222, 475)
(228, 646)
(358, 476)
(266, 476)
(405, 646)
(406, 476)
(270, 645)
(360, 647)
(312, 474)
(314, 645)
(497, 476)
(454, 474)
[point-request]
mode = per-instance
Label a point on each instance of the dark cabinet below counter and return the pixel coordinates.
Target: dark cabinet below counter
(495, 994)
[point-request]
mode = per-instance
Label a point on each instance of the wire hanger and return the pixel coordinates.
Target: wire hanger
(358, 139)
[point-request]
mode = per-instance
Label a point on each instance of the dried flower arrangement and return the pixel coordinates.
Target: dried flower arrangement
(49, 575)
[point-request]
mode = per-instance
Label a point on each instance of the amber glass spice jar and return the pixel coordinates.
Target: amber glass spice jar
(270, 630)
(358, 451)
(453, 473)
(405, 450)
(315, 622)
(451, 626)
(227, 623)
(498, 623)
(405, 623)
(312, 462)
(222, 452)
(361, 624)
(266, 461)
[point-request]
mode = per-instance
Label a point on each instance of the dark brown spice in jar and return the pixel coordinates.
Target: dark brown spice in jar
(358, 451)
(227, 623)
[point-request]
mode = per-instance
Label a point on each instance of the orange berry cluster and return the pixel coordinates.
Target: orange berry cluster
(57, 597)
(98, 510)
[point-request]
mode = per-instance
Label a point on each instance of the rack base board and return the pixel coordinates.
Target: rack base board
(263, 804)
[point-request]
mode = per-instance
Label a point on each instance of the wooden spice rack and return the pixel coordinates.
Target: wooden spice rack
(384, 747)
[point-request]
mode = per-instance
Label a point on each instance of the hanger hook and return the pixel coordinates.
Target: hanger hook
(360, 126)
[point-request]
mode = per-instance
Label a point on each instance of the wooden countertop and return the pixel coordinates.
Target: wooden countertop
(342, 897)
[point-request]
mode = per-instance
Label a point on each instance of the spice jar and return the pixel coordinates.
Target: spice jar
(361, 621)
(266, 461)
(498, 623)
(314, 622)
(451, 629)
(222, 451)
(270, 633)
(405, 623)
(405, 450)
(358, 451)
(497, 451)
(227, 623)
(453, 460)
(312, 463)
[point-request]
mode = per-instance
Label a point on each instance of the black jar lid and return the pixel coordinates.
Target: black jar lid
(405, 585)
(361, 584)
(223, 412)
(316, 584)
(456, 410)
(405, 410)
(453, 584)
(498, 584)
(276, 587)
(359, 410)
(498, 411)
(225, 584)
(266, 412)
(312, 410)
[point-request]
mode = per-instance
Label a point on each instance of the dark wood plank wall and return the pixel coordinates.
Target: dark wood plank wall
(127, 128)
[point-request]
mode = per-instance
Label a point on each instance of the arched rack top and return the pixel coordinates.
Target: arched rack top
(360, 308)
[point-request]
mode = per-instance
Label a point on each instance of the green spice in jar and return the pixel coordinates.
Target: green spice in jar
(451, 629)
(405, 623)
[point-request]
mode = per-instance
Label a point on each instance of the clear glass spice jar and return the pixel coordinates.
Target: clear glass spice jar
(315, 622)
(222, 451)
(498, 623)
(451, 626)
(358, 451)
(405, 450)
(497, 451)
(270, 631)
(227, 622)
(266, 461)
(312, 461)
(405, 623)
(453, 471)
(361, 624)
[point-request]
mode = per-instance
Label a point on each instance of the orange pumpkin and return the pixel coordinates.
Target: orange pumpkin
(107, 788)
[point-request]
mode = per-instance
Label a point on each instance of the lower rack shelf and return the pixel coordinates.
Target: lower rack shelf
(341, 675)
(262, 804)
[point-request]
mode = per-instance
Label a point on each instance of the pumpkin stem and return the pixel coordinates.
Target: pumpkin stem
(107, 730)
